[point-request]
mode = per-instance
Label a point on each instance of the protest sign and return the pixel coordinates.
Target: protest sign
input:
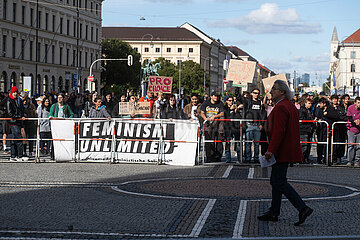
(126, 108)
(269, 82)
(241, 72)
(160, 84)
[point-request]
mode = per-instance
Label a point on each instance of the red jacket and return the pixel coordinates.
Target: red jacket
(283, 131)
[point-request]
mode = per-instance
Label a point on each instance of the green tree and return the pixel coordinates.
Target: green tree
(117, 74)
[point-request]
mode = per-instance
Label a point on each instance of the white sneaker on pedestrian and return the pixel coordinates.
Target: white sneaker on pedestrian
(13, 159)
(24, 159)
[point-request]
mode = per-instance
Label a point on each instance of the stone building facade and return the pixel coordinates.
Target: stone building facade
(52, 41)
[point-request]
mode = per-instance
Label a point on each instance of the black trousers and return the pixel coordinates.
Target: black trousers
(280, 186)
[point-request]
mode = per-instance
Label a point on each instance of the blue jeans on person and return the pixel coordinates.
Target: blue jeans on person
(252, 134)
(281, 186)
(16, 146)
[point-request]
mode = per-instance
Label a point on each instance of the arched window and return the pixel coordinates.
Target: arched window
(21, 82)
(67, 85)
(13, 79)
(3, 82)
(60, 84)
(38, 84)
(352, 67)
(45, 84)
(52, 84)
(85, 84)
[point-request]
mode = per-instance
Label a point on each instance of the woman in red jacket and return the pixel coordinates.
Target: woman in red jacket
(283, 131)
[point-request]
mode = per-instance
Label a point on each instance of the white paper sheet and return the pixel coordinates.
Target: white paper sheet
(267, 163)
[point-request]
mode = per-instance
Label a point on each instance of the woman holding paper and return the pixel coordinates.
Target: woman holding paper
(283, 131)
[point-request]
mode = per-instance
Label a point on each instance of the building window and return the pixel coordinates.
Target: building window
(74, 58)
(4, 46)
(80, 3)
(60, 56)
(38, 51)
(352, 67)
(353, 54)
(179, 50)
(53, 54)
(13, 47)
(74, 28)
(86, 32)
(23, 15)
(46, 53)
(80, 58)
(97, 9)
(86, 59)
(46, 21)
(31, 50)
(53, 23)
(67, 57)
(136, 49)
(179, 62)
(80, 30)
(4, 9)
(14, 12)
(168, 49)
(146, 49)
(32, 17)
(39, 20)
(157, 49)
(61, 25)
(86, 4)
(92, 33)
(97, 35)
(91, 6)
(68, 27)
(191, 50)
(22, 48)
(74, 3)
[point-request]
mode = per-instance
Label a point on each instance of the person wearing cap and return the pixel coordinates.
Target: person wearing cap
(15, 110)
(214, 130)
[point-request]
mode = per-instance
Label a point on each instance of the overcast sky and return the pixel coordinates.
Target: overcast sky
(283, 35)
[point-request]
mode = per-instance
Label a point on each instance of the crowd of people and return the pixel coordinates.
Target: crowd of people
(252, 106)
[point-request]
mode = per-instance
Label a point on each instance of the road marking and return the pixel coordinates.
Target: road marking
(202, 219)
(251, 173)
(227, 172)
(240, 220)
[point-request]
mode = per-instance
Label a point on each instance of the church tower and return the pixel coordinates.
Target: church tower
(334, 44)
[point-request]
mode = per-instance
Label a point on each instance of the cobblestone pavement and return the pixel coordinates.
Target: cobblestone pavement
(124, 201)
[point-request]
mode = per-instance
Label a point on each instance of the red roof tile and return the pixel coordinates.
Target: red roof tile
(355, 37)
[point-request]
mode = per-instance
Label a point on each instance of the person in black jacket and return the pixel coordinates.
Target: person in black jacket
(4, 123)
(321, 129)
(15, 110)
(306, 128)
(171, 111)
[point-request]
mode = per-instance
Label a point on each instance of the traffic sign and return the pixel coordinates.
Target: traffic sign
(226, 81)
(90, 78)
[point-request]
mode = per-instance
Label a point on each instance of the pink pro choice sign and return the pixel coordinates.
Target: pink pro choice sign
(160, 84)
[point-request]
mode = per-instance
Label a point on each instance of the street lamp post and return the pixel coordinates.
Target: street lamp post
(142, 91)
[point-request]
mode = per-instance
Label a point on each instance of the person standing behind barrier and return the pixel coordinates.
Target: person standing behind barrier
(45, 130)
(149, 98)
(15, 110)
(172, 111)
(231, 131)
(214, 130)
(332, 115)
(192, 109)
(306, 128)
(353, 133)
(282, 129)
(60, 109)
(30, 126)
(343, 107)
(321, 129)
(109, 103)
(99, 110)
(160, 104)
(253, 110)
(4, 123)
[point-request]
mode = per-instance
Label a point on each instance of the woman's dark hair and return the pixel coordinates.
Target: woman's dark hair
(173, 96)
(43, 104)
(97, 98)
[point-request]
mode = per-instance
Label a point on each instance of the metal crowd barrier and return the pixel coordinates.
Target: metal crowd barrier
(242, 141)
(113, 139)
(338, 143)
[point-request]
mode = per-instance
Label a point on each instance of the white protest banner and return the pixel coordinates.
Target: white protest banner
(269, 82)
(136, 141)
(241, 72)
(160, 84)
(63, 129)
(134, 108)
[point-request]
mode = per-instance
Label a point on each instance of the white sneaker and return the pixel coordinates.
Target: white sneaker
(13, 159)
(24, 159)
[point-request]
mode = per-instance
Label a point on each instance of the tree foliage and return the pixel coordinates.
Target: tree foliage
(118, 73)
